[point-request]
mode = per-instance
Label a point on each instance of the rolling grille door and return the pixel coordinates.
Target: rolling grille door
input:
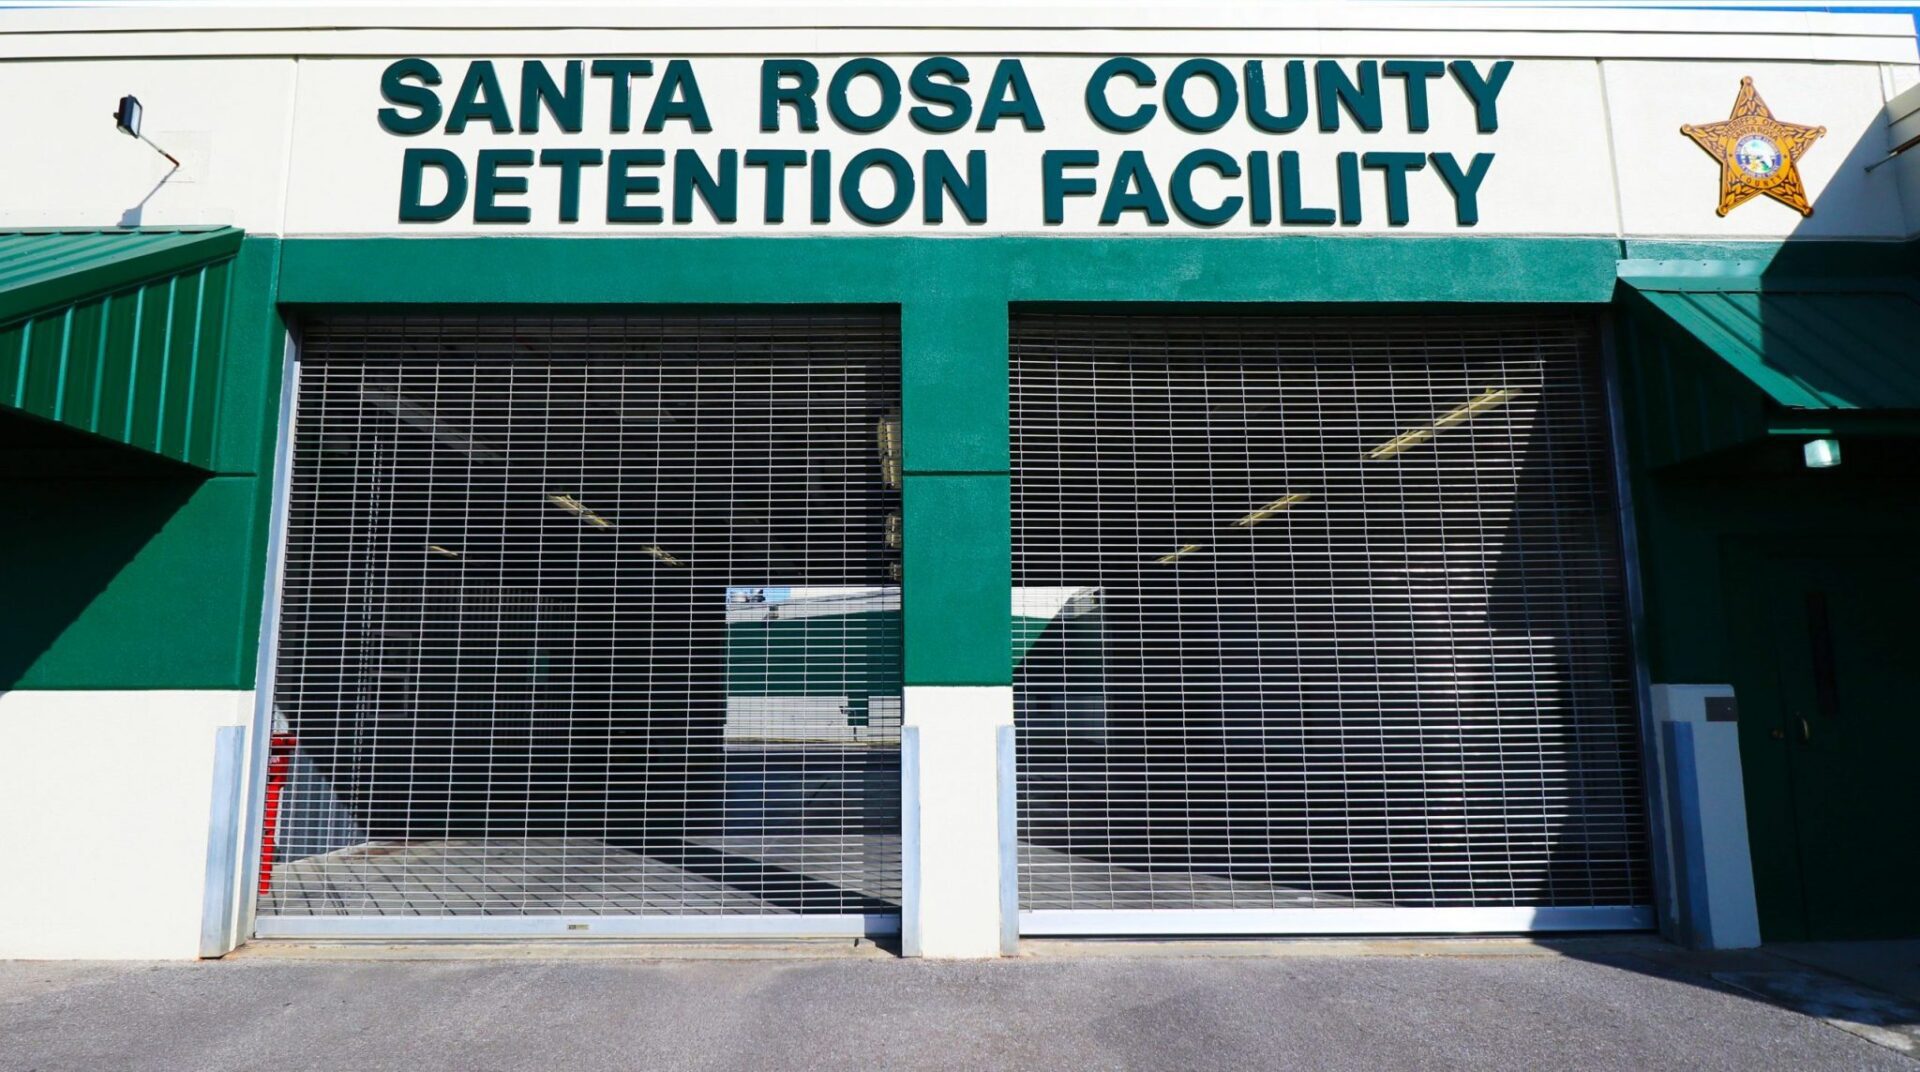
(589, 626)
(1320, 622)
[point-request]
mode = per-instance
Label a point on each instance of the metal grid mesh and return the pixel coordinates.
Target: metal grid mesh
(1319, 612)
(590, 616)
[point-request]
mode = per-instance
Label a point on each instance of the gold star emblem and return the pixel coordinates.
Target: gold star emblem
(1758, 154)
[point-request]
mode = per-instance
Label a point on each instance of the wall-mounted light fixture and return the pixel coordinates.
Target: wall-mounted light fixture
(127, 119)
(1821, 453)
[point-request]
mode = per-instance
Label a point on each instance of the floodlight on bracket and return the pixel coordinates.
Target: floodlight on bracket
(127, 119)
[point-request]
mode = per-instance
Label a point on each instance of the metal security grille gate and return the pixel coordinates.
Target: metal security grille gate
(1319, 626)
(589, 626)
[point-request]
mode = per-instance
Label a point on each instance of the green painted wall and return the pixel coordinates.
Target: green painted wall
(953, 296)
(1697, 519)
(121, 580)
(934, 272)
(123, 570)
(827, 655)
(1684, 402)
(958, 578)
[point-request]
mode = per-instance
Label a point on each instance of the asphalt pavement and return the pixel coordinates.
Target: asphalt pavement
(1363, 1006)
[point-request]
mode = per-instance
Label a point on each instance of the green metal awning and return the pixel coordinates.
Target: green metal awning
(1851, 344)
(118, 333)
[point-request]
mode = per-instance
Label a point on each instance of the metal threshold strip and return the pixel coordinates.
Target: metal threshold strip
(1282, 922)
(582, 927)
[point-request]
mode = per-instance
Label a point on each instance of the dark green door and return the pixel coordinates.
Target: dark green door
(1828, 646)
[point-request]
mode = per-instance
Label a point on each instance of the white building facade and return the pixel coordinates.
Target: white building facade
(942, 472)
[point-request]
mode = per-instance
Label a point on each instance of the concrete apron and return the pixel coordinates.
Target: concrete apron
(1868, 989)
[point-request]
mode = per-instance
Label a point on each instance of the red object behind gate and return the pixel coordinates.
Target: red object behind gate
(279, 762)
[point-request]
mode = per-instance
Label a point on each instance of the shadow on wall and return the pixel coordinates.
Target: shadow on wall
(1198, 744)
(1782, 579)
(133, 216)
(498, 626)
(1850, 203)
(1406, 687)
(1761, 493)
(78, 511)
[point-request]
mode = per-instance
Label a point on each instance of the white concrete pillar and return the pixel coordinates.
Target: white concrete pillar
(953, 792)
(1710, 896)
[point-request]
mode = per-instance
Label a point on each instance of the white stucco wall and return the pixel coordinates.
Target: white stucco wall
(1663, 192)
(106, 798)
(228, 121)
(274, 112)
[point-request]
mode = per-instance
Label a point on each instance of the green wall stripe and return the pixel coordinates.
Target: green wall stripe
(122, 576)
(1785, 259)
(958, 579)
(896, 270)
(248, 410)
(954, 385)
(256, 340)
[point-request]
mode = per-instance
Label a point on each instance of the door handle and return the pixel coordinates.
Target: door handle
(1806, 732)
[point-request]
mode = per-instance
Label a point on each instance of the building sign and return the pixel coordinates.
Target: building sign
(1193, 143)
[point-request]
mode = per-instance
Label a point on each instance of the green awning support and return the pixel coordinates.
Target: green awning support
(1830, 344)
(1722, 355)
(118, 333)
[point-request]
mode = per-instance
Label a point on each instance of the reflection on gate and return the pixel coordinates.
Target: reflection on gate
(1319, 614)
(590, 617)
